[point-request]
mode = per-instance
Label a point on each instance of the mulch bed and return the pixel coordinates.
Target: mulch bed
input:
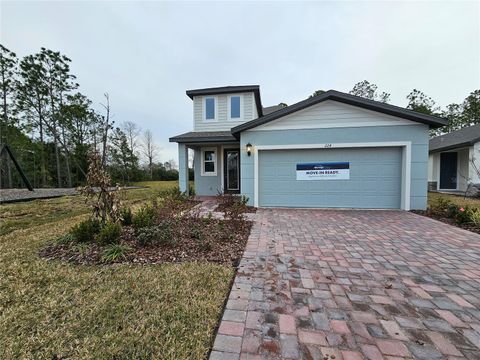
(196, 239)
(447, 220)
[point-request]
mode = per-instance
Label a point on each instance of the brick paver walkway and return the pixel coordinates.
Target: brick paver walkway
(325, 284)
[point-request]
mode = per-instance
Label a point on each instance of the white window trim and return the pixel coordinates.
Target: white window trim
(215, 162)
(229, 107)
(406, 162)
(204, 102)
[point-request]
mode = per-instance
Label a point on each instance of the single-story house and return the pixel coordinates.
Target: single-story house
(454, 160)
(334, 150)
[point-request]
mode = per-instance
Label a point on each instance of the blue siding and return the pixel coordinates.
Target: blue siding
(207, 185)
(417, 134)
(183, 168)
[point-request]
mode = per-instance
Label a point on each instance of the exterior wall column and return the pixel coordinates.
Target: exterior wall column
(183, 168)
(474, 156)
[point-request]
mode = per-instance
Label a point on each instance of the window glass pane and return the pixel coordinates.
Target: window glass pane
(235, 107)
(232, 170)
(210, 108)
(209, 166)
(209, 155)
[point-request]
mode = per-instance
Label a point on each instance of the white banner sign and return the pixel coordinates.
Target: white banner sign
(323, 171)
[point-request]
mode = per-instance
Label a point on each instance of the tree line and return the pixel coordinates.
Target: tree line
(51, 127)
(466, 113)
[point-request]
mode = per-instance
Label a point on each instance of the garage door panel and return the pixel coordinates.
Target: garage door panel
(371, 170)
(375, 178)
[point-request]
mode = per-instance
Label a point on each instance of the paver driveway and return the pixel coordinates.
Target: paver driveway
(326, 284)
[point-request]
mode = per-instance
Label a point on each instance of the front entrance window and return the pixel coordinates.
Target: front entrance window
(232, 171)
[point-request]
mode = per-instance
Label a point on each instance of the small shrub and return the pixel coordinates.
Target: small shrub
(146, 235)
(174, 194)
(86, 230)
(208, 218)
(115, 252)
(126, 216)
(462, 215)
(440, 206)
(145, 217)
(67, 238)
(110, 233)
(167, 233)
(197, 233)
(162, 234)
(82, 248)
(204, 245)
(475, 217)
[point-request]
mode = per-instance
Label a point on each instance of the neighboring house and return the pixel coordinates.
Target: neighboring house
(333, 150)
(450, 164)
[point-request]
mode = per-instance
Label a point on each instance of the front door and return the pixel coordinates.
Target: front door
(231, 171)
(448, 170)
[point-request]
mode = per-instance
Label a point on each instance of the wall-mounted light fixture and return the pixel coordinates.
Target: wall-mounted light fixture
(249, 149)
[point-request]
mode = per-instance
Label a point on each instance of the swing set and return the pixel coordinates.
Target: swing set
(8, 152)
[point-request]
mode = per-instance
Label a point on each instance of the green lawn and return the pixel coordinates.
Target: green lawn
(456, 199)
(38, 212)
(58, 310)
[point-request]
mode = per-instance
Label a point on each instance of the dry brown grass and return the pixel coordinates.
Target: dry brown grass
(456, 199)
(58, 310)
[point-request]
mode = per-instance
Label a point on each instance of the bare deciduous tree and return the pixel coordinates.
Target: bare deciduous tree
(171, 164)
(106, 125)
(149, 149)
(132, 131)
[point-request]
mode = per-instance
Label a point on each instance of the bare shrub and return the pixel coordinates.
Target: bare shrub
(105, 203)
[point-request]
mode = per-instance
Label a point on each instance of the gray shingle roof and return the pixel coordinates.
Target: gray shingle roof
(270, 109)
(204, 137)
(456, 139)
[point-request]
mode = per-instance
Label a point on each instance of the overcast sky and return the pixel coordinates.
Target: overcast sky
(146, 54)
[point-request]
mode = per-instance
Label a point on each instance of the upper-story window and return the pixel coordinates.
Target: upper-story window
(235, 107)
(210, 108)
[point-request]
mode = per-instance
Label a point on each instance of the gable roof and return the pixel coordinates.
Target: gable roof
(456, 139)
(230, 90)
(349, 99)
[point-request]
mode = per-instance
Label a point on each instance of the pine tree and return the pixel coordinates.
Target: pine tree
(58, 82)
(8, 72)
(32, 101)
